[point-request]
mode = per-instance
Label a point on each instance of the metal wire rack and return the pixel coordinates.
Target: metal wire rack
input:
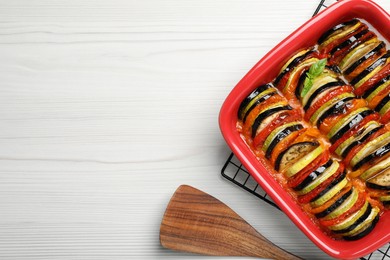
(236, 173)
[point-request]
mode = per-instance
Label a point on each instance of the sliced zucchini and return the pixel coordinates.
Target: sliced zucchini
(329, 192)
(358, 52)
(335, 205)
(252, 98)
(363, 231)
(352, 221)
(291, 63)
(345, 206)
(385, 199)
(293, 153)
(336, 29)
(313, 176)
(327, 109)
(380, 181)
(366, 222)
(365, 57)
(304, 161)
(320, 178)
(366, 131)
(370, 70)
(372, 149)
(317, 93)
(277, 135)
(383, 105)
(376, 88)
(326, 77)
(377, 168)
(347, 123)
(297, 69)
(349, 42)
(341, 32)
(266, 112)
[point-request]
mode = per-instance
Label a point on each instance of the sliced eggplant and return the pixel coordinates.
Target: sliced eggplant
(380, 181)
(363, 134)
(328, 173)
(291, 63)
(317, 93)
(373, 149)
(293, 153)
(383, 105)
(330, 107)
(348, 42)
(378, 49)
(367, 221)
(325, 78)
(304, 161)
(347, 123)
(336, 29)
(343, 31)
(297, 69)
(270, 110)
(330, 191)
(345, 206)
(360, 222)
(313, 176)
(353, 220)
(358, 52)
(365, 231)
(376, 88)
(254, 96)
(335, 205)
(385, 199)
(279, 134)
(370, 70)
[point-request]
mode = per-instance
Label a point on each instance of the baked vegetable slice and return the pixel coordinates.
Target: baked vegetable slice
(380, 181)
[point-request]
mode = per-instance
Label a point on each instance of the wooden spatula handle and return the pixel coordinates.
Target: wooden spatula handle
(199, 223)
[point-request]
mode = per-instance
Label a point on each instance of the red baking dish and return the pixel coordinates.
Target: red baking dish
(265, 71)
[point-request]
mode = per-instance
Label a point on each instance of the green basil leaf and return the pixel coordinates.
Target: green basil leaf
(315, 70)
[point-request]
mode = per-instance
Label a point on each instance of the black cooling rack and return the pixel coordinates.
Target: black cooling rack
(235, 172)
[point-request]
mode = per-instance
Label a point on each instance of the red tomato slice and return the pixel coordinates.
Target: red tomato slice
(353, 130)
(358, 205)
(283, 118)
(332, 94)
(312, 194)
(384, 72)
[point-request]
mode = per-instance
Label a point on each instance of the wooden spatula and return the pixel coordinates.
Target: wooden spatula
(196, 222)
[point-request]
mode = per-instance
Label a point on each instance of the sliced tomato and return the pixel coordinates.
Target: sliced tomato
(312, 194)
(330, 121)
(358, 205)
(332, 200)
(283, 118)
(384, 72)
(354, 130)
(327, 49)
(357, 148)
(365, 64)
(378, 97)
(332, 94)
(385, 118)
(282, 145)
(298, 178)
(283, 81)
(340, 54)
(247, 128)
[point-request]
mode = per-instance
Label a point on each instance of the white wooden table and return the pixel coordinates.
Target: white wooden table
(106, 107)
